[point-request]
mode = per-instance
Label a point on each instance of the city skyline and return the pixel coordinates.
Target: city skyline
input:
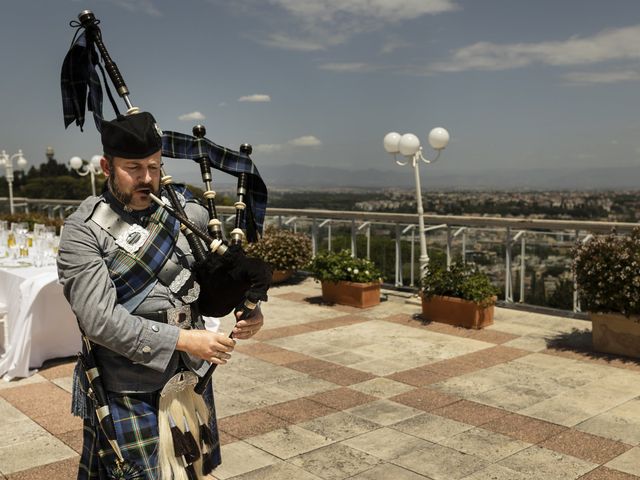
(519, 85)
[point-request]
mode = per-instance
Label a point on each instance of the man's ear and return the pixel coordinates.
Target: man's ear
(104, 164)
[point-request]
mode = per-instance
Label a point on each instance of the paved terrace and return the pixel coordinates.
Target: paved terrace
(331, 392)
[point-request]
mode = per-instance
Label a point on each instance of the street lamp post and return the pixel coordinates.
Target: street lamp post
(409, 146)
(7, 162)
(84, 168)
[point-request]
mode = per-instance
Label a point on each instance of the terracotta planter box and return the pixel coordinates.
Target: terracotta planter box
(458, 312)
(279, 276)
(361, 295)
(614, 333)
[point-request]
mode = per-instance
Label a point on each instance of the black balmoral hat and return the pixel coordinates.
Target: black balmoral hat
(131, 136)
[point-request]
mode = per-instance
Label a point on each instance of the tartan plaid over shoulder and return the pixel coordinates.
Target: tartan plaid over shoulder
(131, 273)
(179, 145)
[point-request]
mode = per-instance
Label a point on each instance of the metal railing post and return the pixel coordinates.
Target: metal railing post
(449, 241)
(507, 270)
(353, 238)
(398, 256)
(522, 267)
(314, 236)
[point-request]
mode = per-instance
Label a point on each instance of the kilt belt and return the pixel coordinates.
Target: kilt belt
(183, 317)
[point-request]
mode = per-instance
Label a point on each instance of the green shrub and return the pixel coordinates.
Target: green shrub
(607, 270)
(282, 249)
(461, 280)
(341, 266)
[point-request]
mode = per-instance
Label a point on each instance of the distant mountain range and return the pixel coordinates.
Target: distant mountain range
(303, 176)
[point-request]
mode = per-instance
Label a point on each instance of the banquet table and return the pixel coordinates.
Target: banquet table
(39, 323)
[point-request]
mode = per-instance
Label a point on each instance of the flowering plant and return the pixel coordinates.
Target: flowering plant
(460, 280)
(607, 270)
(341, 266)
(283, 249)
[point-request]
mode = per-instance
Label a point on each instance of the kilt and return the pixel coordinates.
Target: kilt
(135, 417)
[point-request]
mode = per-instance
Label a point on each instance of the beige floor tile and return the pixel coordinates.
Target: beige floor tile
(497, 472)
(335, 462)
(386, 444)
(278, 471)
(18, 431)
(303, 385)
(32, 453)
(339, 426)
(628, 462)
(384, 412)
(441, 463)
(621, 423)
(484, 444)
(387, 471)
(66, 383)
(9, 413)
(382, 387)
(537, 462)
(432, 428)
(21, 382)
(289, 441)
(240, 458)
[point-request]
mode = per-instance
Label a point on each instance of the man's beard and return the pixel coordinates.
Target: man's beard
(126, 197)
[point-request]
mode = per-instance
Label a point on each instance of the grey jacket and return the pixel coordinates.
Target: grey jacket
(134, 354)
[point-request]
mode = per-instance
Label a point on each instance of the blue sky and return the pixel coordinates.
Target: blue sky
(518, 83)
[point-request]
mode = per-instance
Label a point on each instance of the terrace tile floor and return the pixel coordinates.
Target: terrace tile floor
(333, 392)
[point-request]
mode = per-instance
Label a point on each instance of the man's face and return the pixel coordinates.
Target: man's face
(132, 180)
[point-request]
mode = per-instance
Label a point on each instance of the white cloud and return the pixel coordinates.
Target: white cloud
(328, 11)
(392, 44)
(352, 67)
(145, 6)
(188, 117)
(313, 25)
(257, 97)
(590, 78)
(268, 148)
(285, 42)
(610, 44)
(305, 141)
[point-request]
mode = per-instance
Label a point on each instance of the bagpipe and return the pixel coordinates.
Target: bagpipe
(229, 280)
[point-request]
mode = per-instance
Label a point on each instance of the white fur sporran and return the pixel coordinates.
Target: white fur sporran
(180, 405)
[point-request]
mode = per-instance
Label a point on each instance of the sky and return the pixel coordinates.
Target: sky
(519, 84)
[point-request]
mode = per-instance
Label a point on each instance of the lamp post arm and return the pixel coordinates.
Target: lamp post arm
(426, 160)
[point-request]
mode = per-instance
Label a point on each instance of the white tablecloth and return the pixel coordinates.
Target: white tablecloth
(40, 323)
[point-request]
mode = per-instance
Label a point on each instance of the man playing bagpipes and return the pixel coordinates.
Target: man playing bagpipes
(109, 255)
(138, 281)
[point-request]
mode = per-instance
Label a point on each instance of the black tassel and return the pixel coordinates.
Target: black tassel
(180, 446)
(207, 463)
(206, 436)
(193, 452)
(191, 472)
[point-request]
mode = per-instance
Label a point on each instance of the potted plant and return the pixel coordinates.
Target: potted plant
(284, 250)
(346, 280)
(460, 295)
(607, 271)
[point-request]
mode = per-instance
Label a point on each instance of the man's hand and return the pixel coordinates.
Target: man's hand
(210, 346)
(248, 327)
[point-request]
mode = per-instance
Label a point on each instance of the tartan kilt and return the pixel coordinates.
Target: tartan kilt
(135, 417)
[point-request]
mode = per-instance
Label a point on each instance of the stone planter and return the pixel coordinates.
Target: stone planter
(361, 295)
(458, 312)
(279, 276)
(614, 333)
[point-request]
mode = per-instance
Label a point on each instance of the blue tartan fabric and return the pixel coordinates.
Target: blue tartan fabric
(131, 273)
(135, 419)
(79, 76)
(179, 145)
